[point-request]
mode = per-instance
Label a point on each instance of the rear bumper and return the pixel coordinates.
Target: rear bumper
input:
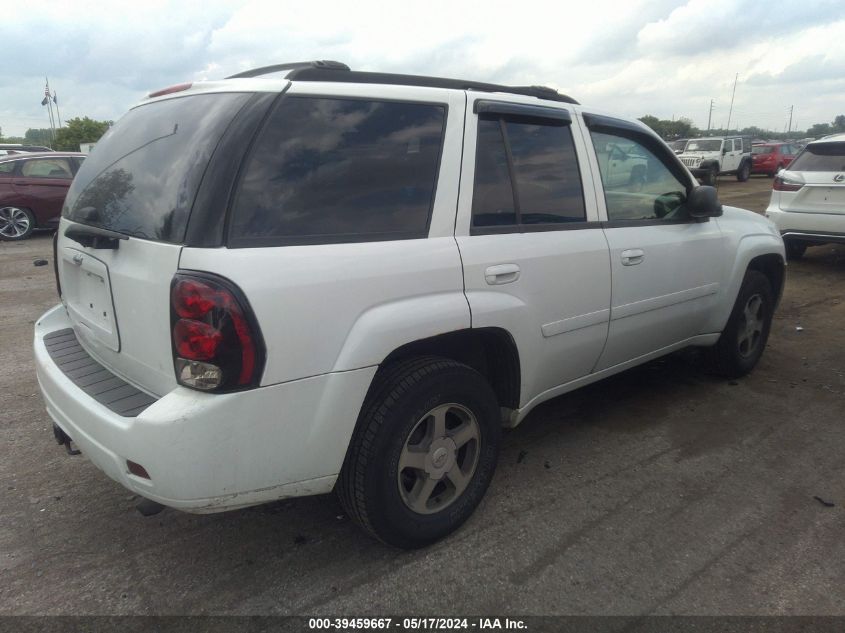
(811, 227)
(209, 453)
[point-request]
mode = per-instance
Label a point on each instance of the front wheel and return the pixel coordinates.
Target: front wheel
(15, 223)
(711, 176)
(744, 338)
(423, 453)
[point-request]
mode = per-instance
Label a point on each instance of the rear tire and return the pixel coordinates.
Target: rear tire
(423, 452)
(16, 223)
(744, 338)
(744, 172)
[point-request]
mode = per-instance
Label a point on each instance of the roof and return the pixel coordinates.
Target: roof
(27, 155)
(332, 71)
(831, 138)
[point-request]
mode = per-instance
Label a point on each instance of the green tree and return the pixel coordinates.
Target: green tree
(839, 123)
(38, 136)
(819, 129)
(669, 130)
(78, 131)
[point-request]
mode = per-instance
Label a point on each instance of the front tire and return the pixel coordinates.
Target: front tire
(744, 172)
(711, 176)
(743, 340)
(423, 452)
(16, 223)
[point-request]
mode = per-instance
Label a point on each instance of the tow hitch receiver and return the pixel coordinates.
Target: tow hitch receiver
(64, 439)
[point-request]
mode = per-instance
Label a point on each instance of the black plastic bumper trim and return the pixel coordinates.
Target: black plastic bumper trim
(95, 380)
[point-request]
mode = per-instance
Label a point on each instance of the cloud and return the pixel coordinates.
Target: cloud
(662, 57)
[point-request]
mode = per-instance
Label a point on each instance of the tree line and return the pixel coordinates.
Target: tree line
(684, 128)
(67, 138)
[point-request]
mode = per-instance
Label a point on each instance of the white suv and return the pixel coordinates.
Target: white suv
(337, 280)
(808, 199)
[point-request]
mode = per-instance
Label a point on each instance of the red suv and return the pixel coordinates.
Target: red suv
(32, 190)
(770, 158)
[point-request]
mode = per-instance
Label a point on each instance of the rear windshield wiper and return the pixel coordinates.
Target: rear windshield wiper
(94, 237)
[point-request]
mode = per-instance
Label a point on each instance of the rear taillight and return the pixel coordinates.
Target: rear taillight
(782, 184)
(216, 342)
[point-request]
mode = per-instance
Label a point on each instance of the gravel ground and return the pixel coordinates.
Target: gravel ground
(659, 491)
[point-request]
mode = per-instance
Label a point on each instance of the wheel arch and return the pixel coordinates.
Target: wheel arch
(492, 352)
(772, 265)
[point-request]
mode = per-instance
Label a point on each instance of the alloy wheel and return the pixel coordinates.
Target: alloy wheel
(751, 326)
(439, 458)
(14, 222)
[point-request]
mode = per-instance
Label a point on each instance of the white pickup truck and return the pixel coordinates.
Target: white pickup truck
(275, 286)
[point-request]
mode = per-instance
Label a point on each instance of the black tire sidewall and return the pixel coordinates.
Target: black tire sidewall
(754, 283)
(391, 519)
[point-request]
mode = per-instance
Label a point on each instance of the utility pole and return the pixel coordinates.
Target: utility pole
(789, 130)
(710, 114)
(728, 130)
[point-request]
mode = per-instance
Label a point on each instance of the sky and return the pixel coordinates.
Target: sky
(667, 58)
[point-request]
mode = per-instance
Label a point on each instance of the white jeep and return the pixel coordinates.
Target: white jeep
(708, 158)
(335, 280)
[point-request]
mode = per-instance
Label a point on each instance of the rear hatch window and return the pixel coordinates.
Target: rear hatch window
(820, 157)
(142, 177)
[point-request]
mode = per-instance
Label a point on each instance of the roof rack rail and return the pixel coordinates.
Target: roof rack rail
(322, 73)
(318, 64)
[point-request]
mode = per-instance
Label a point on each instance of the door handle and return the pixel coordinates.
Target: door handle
(501, 274)
(632, 257)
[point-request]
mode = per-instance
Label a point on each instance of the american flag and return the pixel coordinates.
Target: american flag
(46, 98)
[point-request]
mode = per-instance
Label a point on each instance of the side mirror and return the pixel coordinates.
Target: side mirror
(703, 202)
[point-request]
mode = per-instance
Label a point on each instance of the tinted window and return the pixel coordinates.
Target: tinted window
(47, 168)
(492, 198)
(145, 173)
(821, 157)
(544, 174)
(637, 185)
(340, 170)
(763, 149)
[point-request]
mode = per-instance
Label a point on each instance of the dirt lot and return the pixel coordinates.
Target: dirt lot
(660, 491)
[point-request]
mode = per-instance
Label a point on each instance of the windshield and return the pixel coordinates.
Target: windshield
(145, 172)
(711, 145)
(820, 157)
(763, 149)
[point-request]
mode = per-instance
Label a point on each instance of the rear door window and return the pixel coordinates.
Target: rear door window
(47, 168)
(821, 157)
(331, 170)
(526, 174)
(145, 172)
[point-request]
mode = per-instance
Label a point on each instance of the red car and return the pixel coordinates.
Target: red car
(770, 158)
(32, 190)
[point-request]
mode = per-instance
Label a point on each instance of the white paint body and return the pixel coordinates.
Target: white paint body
(816, 212)
(330, 314)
